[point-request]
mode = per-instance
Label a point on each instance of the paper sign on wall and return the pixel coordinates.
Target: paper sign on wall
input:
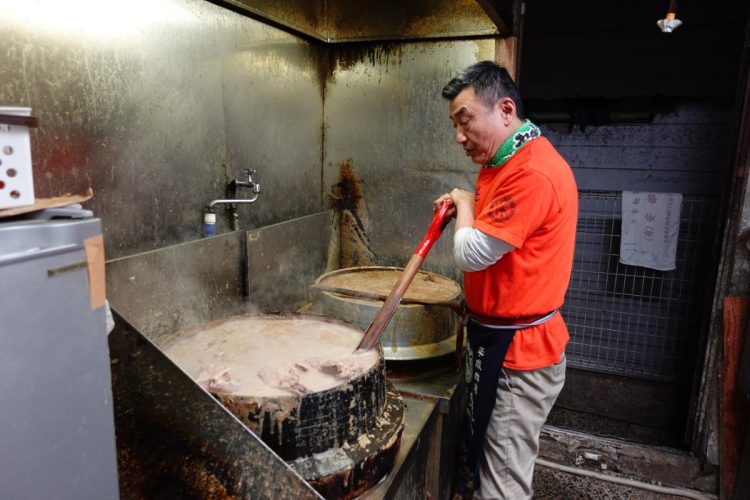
(650, 229)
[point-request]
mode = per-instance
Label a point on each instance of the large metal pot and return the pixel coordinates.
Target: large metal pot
(341, 440)
(417, 331)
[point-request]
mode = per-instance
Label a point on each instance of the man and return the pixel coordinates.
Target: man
(514, 240)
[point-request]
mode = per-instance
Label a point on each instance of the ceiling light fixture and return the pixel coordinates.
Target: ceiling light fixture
(670, 23)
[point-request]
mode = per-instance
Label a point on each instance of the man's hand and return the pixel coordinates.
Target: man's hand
(463, 207)
(462, 199)
(451, 213)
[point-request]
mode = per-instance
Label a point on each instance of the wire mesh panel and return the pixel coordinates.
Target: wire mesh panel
(632, 320)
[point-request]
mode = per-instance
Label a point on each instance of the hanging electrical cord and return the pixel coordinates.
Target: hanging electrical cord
(666, 490)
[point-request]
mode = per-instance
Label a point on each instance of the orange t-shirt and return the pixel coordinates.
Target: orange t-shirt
(530, 202)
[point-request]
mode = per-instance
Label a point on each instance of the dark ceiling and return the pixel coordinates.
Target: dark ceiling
(613, 49)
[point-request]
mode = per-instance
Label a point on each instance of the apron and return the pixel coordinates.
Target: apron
(485, 352)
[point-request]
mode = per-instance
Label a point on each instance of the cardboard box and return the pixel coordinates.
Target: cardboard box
(16, 178)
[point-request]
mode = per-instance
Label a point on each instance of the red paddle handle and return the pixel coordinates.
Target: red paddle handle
(435, 230)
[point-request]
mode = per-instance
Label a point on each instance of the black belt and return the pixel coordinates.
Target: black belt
(511, 323)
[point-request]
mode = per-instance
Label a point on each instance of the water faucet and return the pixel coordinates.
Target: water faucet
(249, 182)
(209, 218)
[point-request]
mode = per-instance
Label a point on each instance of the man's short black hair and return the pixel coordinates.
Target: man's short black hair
(490, 81)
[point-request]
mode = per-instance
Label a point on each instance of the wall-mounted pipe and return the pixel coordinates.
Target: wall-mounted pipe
(249, 183)
(209, 216)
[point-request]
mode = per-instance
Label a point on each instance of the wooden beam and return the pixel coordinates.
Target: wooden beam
(500, 12)
(732, 416)
(506, 54)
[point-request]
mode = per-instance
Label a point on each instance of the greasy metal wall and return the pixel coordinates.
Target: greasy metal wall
(156, 105)
(346, 21)
(387, 124)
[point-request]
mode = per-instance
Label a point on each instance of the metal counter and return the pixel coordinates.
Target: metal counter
(409, 478)
(175, 438)
(441, 383)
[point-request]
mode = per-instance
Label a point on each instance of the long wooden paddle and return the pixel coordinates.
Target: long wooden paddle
(384, 315)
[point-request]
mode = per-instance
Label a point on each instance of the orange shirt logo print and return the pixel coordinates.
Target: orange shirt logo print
(501, 209)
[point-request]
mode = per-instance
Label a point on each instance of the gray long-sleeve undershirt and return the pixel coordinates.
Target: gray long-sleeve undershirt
(475, 250)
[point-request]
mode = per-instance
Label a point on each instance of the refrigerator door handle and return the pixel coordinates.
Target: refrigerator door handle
(66, 269)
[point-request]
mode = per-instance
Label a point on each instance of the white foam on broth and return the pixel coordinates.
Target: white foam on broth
(270, 357)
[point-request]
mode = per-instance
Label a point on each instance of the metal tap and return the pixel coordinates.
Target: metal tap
(232, 201)
(248, 182)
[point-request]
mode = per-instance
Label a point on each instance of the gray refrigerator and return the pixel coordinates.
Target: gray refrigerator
(57, 437)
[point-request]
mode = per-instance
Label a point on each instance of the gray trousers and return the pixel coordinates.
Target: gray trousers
(524, 399)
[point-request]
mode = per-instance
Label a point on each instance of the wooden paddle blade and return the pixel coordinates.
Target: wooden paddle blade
(385, 314)
(372, 335)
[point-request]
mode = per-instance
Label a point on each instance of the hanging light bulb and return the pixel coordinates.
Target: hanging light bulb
(670, 23)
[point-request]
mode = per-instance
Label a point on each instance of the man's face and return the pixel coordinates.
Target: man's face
(479, 130)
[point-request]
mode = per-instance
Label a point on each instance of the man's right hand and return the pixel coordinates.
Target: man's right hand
(451, 213)
(462, 199)
(462, 209)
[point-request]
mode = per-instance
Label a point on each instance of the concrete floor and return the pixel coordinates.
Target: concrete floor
(552, 484)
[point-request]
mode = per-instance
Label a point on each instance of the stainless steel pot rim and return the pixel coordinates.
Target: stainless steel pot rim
(346, 270)
(420, 351)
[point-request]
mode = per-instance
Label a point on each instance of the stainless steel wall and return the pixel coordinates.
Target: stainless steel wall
(157, 104)
(386, 120)
(344, 20)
